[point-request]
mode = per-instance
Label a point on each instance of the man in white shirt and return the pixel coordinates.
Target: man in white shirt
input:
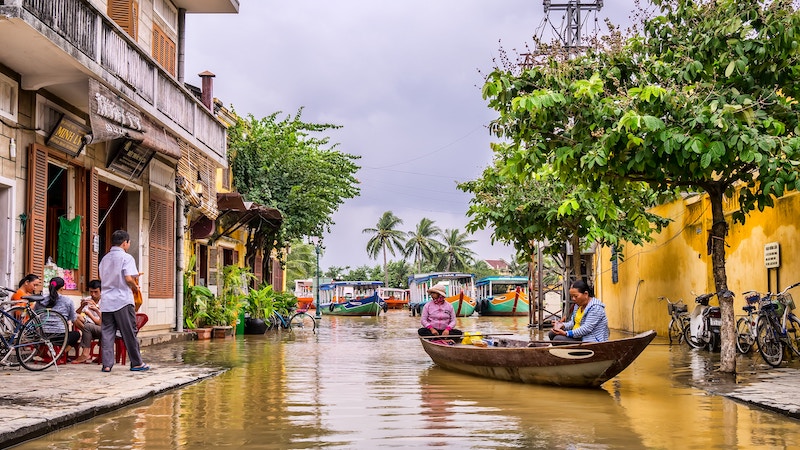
(118, 275)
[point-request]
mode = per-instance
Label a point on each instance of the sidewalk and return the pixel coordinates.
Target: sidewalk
(775, 389)
(49, 400)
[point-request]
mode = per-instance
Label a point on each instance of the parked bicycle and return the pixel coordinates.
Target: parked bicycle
(300, 320)
(34, 339)
(746, 326)
(777, 327)
(679, 314)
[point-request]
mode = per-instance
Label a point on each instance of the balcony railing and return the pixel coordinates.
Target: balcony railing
(101, 40)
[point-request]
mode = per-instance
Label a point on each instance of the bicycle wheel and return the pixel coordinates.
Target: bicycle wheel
(793, 333)
(9, 326)
(674, 331)
(769, 342)
(744, 335)
(273, 322)
(303, 321)
(42, 340)
(691, 340)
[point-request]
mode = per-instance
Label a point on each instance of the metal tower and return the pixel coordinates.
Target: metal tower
(571, 33)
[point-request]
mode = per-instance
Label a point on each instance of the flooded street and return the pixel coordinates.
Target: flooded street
(367, 383)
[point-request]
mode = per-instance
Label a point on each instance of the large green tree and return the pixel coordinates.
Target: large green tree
(284, 164)
(701, 100)
(385, 238)
(535, 206)
(422, 244)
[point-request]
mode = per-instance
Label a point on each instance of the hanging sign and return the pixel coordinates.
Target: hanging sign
(68, 136)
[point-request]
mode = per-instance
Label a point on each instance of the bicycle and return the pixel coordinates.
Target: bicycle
(679, 314)
(777, 327)
(34, 339)
(746, 326)
(300, 320)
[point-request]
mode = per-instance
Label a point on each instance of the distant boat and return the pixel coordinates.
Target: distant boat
(588, 364)
(304, 291)
(395, 298)
(460, 288)
(503, 296)
(351, 298)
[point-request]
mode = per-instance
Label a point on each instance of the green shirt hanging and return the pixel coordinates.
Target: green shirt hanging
(69, 242)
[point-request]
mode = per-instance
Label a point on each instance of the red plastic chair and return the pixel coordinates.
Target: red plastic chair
(119, 345)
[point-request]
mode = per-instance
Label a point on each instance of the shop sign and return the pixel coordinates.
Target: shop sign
(68, 136)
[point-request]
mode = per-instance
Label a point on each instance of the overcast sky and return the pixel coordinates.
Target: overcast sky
(403, 80)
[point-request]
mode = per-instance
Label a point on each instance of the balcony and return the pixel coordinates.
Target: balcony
(58, 45)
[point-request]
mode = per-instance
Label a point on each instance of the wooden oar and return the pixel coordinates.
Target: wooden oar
(450, 336)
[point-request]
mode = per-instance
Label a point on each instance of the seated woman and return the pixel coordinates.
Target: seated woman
(438, 316)
(63, 305)
(588, 322)
(29, 284)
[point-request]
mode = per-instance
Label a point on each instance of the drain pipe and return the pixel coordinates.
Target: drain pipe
(633, 308)
(179, 231)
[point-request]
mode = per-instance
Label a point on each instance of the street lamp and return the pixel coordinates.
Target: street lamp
(315, 240)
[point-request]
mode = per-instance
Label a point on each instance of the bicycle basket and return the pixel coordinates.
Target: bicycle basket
(787, 300)
(676, 308)
(752, 299)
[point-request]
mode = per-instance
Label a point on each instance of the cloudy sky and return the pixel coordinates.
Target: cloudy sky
(402, 79)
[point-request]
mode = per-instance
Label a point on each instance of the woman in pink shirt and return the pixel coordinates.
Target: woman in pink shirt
(438, 316)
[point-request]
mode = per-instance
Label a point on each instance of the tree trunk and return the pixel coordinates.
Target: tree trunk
(716, 247)
(385, 269)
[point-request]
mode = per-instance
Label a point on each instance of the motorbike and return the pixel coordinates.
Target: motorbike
(704, 324)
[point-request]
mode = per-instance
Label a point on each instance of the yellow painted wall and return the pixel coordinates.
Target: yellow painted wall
(676, 264)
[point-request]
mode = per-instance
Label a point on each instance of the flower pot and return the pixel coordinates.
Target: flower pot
(254, 326)
(221, 332)
(202, 333)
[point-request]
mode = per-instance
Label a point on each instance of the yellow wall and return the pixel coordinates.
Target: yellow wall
(676, 264)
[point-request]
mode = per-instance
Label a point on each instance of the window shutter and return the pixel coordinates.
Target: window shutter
(162, 250)
(258, 270)
(126, 14)
(94, 224)
(164, 50)
(277, 275)
(37, 209)
(213, 266)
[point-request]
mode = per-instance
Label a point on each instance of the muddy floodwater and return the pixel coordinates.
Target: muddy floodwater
(363, 383)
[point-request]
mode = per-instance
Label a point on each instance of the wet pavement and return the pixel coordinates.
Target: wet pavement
(36, 403)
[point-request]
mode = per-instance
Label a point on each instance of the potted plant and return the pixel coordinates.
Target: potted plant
(259, 305)
(196, 301)
(224, 312)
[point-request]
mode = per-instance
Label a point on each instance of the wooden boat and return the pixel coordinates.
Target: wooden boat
(502, 296)
(539, 362)
(395, 298)
(460, 288)
(304, 291)
(351, 298)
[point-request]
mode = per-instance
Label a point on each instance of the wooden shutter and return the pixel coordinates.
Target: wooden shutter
(162, 248)
(213, 266)
(126, 14)
(277, 275)
(94, 225)
(164, 50)
(258, 269)
(37, 209)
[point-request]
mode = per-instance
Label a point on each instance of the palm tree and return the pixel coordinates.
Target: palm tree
(300, 263)
(455, 254)
(385, 238)
(422, 244)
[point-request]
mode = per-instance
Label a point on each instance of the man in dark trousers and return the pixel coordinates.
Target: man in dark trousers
(118, 275)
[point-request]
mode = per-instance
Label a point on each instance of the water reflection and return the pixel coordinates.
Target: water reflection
(366, 383)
